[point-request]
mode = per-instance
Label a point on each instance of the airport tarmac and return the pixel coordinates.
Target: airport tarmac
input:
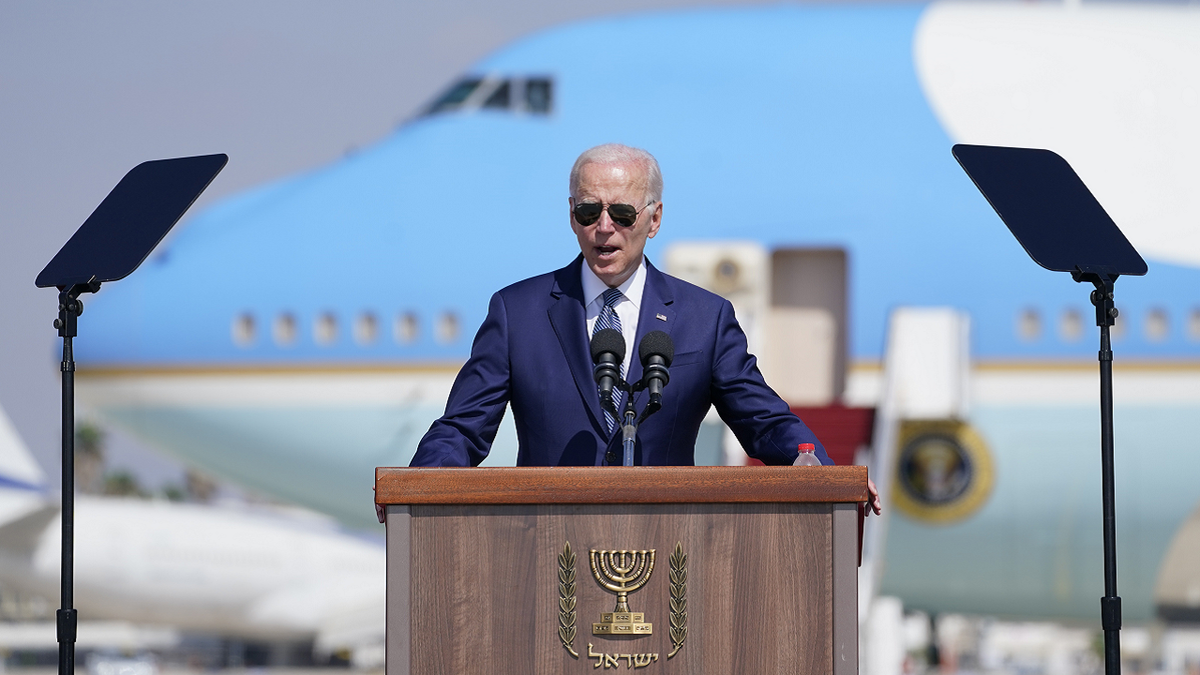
(966, 646)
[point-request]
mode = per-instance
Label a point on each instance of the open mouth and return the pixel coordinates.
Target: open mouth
(606, 250)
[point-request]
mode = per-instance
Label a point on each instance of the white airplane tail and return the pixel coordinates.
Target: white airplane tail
(22, 481)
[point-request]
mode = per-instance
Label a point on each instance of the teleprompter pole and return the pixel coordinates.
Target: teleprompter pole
(1059, 223)
(1110, 604)
(69, 309)
(109, 246)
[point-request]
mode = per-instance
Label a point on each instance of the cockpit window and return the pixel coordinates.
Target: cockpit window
(532, 95)
(499, 97)
(537, 95)
(457, 94)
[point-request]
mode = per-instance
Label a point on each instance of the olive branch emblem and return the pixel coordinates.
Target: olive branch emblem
(566, 598)
(678, 599)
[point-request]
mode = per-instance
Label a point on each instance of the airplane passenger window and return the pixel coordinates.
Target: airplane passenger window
(406, 328)
(1029, 325)
(1070, 327)
(500, 97)
(456, 95)
(284, 330)
(1157, 325)
(366, 329)
(1194, 325)
(447, 327)
(538, 95)
(243, 329)
(325, 329)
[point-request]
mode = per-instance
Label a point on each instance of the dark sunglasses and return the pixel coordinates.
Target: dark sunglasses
(622, 214)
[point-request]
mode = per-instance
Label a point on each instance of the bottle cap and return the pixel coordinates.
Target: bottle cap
(807, 447)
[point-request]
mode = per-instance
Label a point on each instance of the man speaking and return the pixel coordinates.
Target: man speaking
(532, 351)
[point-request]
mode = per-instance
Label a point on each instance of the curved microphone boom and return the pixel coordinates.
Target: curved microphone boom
(608, 353)
(656, 352)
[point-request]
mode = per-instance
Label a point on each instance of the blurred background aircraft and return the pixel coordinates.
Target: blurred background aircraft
(278, 577)
(316, 323)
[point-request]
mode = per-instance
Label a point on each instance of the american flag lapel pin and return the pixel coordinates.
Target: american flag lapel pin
(660, 317)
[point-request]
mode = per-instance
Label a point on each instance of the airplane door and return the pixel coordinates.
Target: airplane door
(804, 345)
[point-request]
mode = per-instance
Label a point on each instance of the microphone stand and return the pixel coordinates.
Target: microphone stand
(630, 425)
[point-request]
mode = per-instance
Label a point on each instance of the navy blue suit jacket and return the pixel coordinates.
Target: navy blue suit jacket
(532, 352)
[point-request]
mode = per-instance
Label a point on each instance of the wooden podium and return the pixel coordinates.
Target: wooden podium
(723, 570)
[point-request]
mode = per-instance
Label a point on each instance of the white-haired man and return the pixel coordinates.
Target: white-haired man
(532, 351)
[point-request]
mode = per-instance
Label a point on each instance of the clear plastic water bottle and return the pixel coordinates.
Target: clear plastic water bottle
(808, 456)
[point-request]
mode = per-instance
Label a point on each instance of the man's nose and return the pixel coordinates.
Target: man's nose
(605, 224)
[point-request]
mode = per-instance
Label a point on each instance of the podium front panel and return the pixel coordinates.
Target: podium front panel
(730, 587)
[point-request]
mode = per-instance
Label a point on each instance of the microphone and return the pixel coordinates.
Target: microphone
(608, 353)
(655, 352)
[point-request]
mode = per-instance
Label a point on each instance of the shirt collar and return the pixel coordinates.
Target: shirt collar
(632, 289)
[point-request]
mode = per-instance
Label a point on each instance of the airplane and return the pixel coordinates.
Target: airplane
(294, 337)
(262, 574)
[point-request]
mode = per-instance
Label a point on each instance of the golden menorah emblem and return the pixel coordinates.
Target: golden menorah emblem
(622, 572)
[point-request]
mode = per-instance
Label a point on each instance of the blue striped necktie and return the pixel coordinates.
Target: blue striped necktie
(608, 319)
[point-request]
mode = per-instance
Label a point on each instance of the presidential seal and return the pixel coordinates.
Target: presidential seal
(944, 471)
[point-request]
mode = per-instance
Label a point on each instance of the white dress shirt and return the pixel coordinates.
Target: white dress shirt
(627, 307)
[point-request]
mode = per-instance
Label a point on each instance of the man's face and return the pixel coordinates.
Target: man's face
(614, 251)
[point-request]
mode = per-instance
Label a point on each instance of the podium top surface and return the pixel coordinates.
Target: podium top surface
(621, 485)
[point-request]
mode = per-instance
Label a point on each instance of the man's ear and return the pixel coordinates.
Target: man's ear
(655, 220)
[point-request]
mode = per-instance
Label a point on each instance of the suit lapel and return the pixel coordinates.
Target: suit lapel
(570, 325)
(657, 301)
